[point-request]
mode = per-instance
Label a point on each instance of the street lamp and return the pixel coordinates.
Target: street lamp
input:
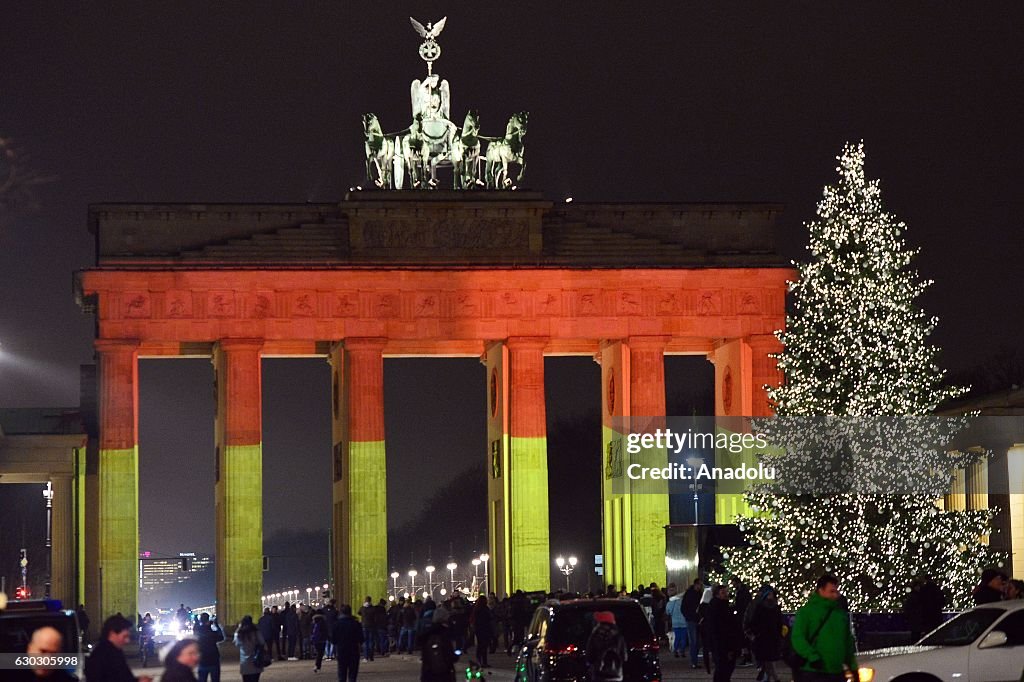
(48, 496)
(430, 579)
(485, 557)
(476, 573)
(694, 462)
(394, 580)
(451, 569)
(412, 580)
(309, 591)
(566, 567)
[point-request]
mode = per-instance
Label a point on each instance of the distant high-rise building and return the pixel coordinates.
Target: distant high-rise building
(158, 573)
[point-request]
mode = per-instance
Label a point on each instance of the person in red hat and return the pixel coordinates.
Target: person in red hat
(606, 651)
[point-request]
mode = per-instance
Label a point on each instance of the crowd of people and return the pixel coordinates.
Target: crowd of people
(717, 627)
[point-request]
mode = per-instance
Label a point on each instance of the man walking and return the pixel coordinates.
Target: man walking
(347, 636)
(822, 636)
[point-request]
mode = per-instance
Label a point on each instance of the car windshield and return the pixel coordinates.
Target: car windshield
(963, 629)
(573, 625)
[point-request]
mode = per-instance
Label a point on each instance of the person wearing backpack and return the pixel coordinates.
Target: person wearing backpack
(821, 638)
(437, 655)
(605, 651)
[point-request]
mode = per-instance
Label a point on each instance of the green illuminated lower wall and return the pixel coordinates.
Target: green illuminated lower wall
(530, 545)
(119, 530)
(242, 545)
(367, 521)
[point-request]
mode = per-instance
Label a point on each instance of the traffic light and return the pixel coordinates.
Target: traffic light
(186, 564)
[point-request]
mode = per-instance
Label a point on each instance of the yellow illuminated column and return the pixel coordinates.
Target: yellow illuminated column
(239, 479)
(635, 513)
(518, 535)
(360, 520)
(118, 477)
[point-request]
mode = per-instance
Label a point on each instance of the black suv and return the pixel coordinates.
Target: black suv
(554, 650)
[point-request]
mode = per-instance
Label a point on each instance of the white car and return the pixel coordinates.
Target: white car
(985, 644)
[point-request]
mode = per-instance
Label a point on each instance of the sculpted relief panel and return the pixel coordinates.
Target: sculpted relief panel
(485, 234)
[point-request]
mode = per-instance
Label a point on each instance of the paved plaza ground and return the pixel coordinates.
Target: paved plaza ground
(406, 669)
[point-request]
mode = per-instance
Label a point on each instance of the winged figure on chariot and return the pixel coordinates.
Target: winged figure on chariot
(412, 156)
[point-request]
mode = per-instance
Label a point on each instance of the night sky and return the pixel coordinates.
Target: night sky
(680, 101)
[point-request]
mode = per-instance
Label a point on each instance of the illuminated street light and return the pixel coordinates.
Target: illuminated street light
(430, 578)
(566, 567)
(451, 569)
(485, 557)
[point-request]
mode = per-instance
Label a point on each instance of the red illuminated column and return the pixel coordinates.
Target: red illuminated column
(239, 478)
(360, 561)
(118, 489)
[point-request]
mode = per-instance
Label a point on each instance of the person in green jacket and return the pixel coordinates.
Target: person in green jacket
(822, 636)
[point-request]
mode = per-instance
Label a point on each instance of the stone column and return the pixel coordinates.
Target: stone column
(764, 372)
(360, 518)
(63, 566)
(1015, 478)
(649, 499)
(239, 479)
(118, 478)
(635, 513)
(518, 468)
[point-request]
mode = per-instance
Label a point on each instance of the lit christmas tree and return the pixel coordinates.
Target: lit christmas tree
(856, 357)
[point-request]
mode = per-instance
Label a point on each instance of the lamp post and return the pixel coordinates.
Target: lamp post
(412, 580)
(430, 579)
(476, 574)
(48, 496)
(566, 567)
(326, 586)
(485, 557)
(309, 600)
(451, 569)
(694, 462)
(394, 581)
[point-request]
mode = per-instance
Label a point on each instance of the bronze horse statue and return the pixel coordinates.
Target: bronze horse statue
(505, 150)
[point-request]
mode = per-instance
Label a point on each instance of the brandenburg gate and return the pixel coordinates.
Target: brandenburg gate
(407, 269)
(504, 276)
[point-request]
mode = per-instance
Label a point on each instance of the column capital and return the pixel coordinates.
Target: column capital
(647, 342)
(364, 343)
(116, 345)
(228, 345)
(527, 342)
(763, 341)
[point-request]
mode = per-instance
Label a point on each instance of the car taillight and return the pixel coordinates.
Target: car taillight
(560, 650)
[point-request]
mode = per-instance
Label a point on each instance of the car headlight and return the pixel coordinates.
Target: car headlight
(865, 674)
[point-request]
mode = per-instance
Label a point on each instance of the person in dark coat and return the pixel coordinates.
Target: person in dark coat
(251, 643)
(330, 618)
(180, 661)
(278, 619)
(990, 589)
(107, 663)
(691, 602)
(209, 634)
(347, 636)
(605, 651)
(923, 607)
(318, 636)
(291, 629)
(724, 634)
(520, 614)
(83, 622)
(741, 601)
(483, 627)
(762, 623)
